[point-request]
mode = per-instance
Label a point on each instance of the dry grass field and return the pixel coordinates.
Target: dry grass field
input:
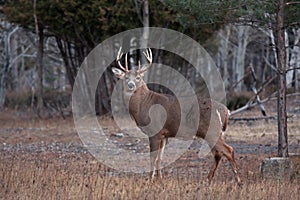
(45, 159)
(82, 178)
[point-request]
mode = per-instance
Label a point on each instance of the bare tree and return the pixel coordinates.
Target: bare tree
(6, 58)
(240, 53)
(223, 53)
(4, 68)
(281, 69)
(294, 61)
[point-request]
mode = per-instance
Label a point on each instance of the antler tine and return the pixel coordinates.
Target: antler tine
(139, 65)
(119, 56)
(126, 62)
(148, 56)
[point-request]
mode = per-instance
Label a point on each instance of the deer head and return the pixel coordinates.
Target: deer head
(133, 77)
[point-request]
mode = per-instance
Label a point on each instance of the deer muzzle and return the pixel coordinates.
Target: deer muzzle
(131, 85)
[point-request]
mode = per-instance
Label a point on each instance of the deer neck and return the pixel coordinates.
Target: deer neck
(141, 94)
(139, 104)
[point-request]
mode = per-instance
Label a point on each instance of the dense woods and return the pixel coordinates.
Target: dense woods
(255, 45)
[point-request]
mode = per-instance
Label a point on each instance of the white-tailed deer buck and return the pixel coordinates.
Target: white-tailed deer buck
(142, 98)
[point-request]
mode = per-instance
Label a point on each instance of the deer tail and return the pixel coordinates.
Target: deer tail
(226, 118)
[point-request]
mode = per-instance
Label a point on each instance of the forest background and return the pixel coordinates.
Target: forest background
(255, 45)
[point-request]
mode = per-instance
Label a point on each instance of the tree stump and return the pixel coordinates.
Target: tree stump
(277, 168)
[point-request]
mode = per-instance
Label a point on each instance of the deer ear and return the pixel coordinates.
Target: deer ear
(118, 73)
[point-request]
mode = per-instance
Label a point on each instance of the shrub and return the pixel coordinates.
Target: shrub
(238, 100)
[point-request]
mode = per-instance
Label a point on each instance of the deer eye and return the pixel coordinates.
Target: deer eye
(138, 78)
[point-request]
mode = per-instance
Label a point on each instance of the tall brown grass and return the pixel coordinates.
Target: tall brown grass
(73, 177)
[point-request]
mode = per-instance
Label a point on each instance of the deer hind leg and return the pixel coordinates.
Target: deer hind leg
(157, 145)
(229, 154)
(217, 159)
(220, 149)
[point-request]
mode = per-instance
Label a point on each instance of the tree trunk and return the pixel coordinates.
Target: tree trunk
(145, 23)
(288, 58)
(281, 98)
(223, 54)
(14, 83)
(40, 54)
(242, 40)
(40, 51)
(226, 56)
(145, 37)
(4, 69)
(296, 59)
(65, 50)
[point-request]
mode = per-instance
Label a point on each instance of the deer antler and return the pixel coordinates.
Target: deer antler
(119, 56)
(148, 55)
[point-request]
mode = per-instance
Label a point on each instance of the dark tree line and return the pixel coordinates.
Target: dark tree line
(79, 26)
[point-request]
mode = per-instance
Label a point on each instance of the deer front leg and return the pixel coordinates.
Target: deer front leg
(154, 142)
(157, 145)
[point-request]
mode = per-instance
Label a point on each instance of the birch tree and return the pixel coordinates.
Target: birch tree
(5, 60)
(223, 54)
(242, 33)
(8, 55)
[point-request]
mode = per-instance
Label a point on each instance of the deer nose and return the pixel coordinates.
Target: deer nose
(131, 85)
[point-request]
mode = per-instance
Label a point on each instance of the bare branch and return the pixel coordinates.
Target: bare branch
(293, 68)
(236, 83)
(23, 54)
(270, 65)
(252, 118)
(292, 3)
(251, 105)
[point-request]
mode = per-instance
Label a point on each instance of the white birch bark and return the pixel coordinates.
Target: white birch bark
(295, 58)
(242, 42)
(223, 54)
(289, 61)
(9, 30)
